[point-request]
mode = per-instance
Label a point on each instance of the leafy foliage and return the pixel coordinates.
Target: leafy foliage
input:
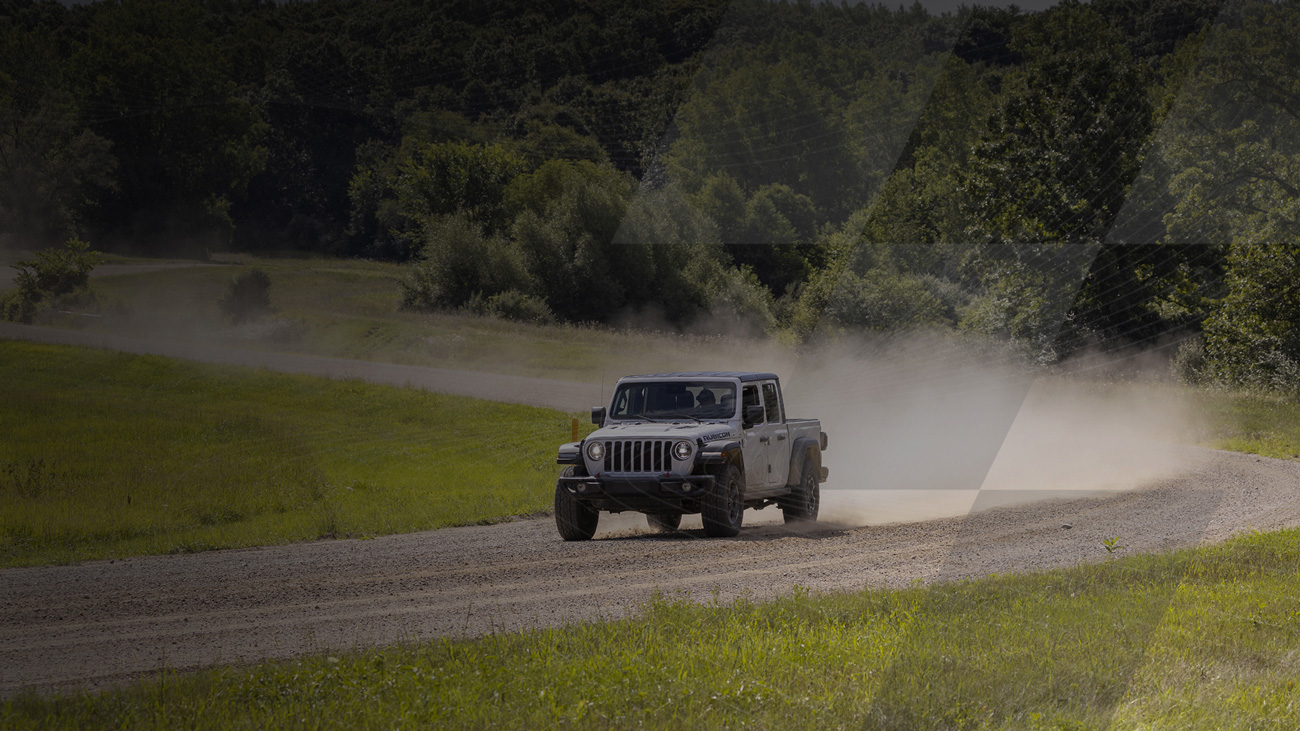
(52, 273)
(247, 298)
(460, 262)
(1083, 176)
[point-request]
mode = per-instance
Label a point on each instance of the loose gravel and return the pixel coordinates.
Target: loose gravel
(101, 624)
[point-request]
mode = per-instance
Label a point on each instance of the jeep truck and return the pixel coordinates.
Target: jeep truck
(713, 443)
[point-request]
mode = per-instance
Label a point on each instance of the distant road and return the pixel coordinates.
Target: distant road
(562, 395)
(9, 258)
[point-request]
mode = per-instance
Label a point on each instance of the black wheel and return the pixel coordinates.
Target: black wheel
(661, 523)
(575, 519)
(723, 508)
(802, 505)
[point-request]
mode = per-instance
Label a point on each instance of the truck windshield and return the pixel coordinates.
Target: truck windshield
(675, 399)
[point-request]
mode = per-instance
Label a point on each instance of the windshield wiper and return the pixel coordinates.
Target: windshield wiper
(682, 416)
(642, 416)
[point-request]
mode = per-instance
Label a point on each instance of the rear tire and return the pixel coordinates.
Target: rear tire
(802, 505)
(575, 519)
(723, 509)
(660, 523)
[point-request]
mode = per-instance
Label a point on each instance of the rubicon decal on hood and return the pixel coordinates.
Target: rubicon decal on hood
(715, 436)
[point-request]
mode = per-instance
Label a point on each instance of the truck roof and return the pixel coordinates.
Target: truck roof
(740, 375)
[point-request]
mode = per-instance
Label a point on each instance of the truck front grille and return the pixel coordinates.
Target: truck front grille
(638, 456)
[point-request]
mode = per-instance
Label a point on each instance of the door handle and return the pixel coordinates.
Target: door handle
(780, 437)
(765, 439)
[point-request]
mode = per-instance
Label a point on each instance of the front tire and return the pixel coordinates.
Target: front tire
(575, 519)
(803, 504)
(661, 523)
(723, 509)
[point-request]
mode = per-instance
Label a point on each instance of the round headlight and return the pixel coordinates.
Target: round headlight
(683, 450)
(595, 451)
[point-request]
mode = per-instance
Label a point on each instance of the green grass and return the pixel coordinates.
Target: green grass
(349, 308)
(1254, 423)
(106, 455)
(1198, 639)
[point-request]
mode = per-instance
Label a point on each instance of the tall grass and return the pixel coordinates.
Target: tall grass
(1254, 422)
(1199, 639)
(105, 454)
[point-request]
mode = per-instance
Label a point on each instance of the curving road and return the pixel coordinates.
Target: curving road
(99, 624)
(563, 395)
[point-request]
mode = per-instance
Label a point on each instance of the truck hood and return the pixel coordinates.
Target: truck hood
(707, 431)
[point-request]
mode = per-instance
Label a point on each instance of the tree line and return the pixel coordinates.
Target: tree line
(1120, 173)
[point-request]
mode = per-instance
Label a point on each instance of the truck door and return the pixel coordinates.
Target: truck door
(754, 445)
(778, 446)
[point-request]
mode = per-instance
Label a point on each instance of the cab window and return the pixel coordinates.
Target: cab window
(750, 397)
(771, 402)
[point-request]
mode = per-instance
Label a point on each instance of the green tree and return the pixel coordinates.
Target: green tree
(459, 263)
(51, 165)
(441, 178)
(580, 273)
(765, 123)
(1253, 336)
(1061, 151)
(186, 138)
(1227, 167)
(1048, 180)
(51, 274)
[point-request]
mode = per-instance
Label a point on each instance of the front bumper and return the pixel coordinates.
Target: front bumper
(642, 493)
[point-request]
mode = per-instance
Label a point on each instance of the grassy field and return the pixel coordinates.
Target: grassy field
(1255, 423)
(1200, 639)
(106, 455)
(349, 309)
(109, 455)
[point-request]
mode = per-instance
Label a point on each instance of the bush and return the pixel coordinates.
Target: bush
(739, 299)
(458, 263)
(15, 306)
(1252, 337)
(52, 273)
(247, 298)
(880, 300)
(1189, 364)
(520, 307)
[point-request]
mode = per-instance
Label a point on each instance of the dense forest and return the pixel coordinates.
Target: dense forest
(1122, 173)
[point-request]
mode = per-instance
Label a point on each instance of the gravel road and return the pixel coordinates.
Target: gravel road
(100, 624)
(563, 395)
(8, 274)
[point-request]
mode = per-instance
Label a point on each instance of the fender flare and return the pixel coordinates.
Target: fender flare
(570, 453)
(804, 448)
(721, 452)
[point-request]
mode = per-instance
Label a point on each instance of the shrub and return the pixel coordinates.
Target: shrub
(15, 306)
(52, 273)
(247, 298)
(460, 262)
(880, 300)
(1189, 364)
(520, 307)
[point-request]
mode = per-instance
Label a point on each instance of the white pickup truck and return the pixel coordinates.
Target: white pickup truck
(712, 443)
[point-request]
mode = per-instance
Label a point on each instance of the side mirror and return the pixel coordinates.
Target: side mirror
(598, 415)
(753, 415)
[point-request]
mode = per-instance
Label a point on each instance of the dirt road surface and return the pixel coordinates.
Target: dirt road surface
(99, 624)
(563, 395)
(9, 275)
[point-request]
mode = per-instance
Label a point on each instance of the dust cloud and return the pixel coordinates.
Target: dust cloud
(926, 426)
